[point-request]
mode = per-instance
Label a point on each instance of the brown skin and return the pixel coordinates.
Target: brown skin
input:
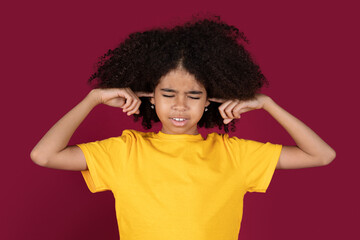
(53, 151)
(310, 149)
(179, 95)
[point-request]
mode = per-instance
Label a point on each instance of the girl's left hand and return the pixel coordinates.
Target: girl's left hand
(232, 109)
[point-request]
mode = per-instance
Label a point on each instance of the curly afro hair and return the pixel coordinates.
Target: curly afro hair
(208, 48)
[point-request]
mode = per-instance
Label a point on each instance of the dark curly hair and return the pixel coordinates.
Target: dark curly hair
(208, 48)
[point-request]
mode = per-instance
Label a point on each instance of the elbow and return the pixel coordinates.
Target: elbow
(38, 158)
(330, 156)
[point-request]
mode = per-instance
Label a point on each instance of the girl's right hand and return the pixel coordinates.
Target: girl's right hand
(123, 98)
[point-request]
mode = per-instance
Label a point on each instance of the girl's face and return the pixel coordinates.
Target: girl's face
(179, 102)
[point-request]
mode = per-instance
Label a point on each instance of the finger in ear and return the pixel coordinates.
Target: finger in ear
(227, 120)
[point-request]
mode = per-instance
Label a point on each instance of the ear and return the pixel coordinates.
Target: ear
(207, 103)
(152, 100)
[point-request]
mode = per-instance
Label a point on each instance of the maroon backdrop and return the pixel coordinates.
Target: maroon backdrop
(307, 49)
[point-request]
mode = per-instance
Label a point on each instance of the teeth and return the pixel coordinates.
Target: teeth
(179, 119)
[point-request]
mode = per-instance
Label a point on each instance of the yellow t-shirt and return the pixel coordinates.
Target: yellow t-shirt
(179, 187)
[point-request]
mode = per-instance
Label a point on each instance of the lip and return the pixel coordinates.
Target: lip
(180, 117)
(179, 124)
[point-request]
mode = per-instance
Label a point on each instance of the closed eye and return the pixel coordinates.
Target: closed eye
(169, 96)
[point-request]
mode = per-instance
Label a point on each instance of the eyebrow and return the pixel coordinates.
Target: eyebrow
(174, 91)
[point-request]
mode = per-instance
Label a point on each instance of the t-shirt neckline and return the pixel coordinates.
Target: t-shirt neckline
(179, 136)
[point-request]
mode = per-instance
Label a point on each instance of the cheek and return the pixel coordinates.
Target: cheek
(162, 110)
(199, 109)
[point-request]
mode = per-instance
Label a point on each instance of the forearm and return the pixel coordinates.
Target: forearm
(305, 138)
(57, 138)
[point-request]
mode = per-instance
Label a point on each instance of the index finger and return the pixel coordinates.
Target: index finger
(144, 94)
(218, 100)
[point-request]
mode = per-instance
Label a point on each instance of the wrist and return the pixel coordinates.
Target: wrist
(267, 103)
(93, 97)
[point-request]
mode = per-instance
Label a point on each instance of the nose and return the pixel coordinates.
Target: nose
(180, 103)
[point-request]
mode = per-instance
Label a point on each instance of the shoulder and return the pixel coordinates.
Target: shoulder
(133, 134)
(224, 137)
(236, 142)
(128, 138)
(127, 135)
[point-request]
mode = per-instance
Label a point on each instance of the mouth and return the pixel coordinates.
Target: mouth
(179, 122)
(178, 119)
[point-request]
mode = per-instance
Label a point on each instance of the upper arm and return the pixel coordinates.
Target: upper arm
(292, 157)
(71, 158)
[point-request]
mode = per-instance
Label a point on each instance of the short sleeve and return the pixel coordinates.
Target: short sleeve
(258, 162)
(103, 159)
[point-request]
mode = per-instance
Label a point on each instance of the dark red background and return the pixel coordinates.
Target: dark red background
(307, 49)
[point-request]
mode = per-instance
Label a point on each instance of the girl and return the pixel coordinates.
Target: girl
(175, 184)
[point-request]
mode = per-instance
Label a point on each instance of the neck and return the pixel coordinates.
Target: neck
(189, 131)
